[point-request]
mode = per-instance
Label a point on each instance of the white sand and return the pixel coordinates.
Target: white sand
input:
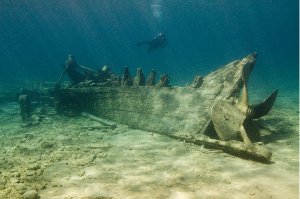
(79, 158)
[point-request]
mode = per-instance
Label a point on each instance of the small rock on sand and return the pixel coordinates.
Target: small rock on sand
(47, 145)
(3, 195)
(20, 188)
(32, 194)
(2, 182)
(34, 166)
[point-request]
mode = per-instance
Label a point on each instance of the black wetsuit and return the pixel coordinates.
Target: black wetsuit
(159, 41)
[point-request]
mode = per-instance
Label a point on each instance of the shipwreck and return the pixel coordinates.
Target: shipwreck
(213, 111)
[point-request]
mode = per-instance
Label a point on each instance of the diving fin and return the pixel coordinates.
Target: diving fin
(264, 108)
(139, 44)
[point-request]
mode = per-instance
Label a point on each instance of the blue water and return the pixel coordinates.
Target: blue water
(37, 36)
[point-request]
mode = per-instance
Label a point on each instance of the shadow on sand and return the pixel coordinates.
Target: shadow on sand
(279, 128)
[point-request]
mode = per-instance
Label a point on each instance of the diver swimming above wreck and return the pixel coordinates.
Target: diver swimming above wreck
(159, 41)
(208, 112)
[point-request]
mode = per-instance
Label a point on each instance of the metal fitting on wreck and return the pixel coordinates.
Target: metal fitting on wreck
(151, 78)
(139, 79)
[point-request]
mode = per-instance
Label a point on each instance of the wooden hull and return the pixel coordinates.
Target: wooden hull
(161, 109)
(181, 112)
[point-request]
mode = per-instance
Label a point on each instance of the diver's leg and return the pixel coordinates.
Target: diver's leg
(150, 49)
(140, 43)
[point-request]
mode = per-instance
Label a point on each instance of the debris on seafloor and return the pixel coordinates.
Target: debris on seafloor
(34, 104)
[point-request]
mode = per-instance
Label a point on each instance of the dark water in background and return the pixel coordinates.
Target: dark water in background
(37, 36)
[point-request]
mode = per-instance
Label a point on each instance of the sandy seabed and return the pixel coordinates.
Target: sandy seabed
(75, 157)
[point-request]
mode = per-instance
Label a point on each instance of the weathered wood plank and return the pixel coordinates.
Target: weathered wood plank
(179, 112)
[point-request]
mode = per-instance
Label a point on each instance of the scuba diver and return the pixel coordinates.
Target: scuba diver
(159, 41)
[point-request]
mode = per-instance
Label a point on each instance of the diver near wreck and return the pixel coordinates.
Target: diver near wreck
(159, 41)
